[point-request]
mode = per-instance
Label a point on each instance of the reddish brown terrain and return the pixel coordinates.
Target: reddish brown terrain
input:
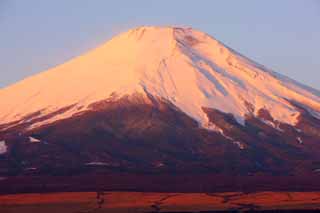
(159, 202)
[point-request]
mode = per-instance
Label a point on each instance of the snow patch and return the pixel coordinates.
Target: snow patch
(97, 163)
(239, 144)
(158, 164)
(211, 126)
(269, 123)
(217, 129)
(31, 169)
(34, 140)
(3, 147)
(300, 141)
(272, 124)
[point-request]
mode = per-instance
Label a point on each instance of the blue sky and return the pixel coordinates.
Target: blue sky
(38, 34)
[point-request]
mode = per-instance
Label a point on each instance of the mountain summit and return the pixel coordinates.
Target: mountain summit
(186, 67)
(167, 101)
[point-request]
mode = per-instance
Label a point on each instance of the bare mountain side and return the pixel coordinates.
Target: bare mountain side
(135, 134)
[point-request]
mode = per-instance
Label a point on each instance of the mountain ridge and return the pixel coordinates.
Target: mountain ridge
(187, 67)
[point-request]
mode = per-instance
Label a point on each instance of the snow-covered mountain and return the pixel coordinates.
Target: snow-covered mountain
(188, 68)
(160, 99)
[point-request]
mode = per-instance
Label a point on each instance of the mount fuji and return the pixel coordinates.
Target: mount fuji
(165, 101)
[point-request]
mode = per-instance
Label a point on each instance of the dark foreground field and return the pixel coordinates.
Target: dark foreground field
(158, 193)
(118, 202)
(209, 183)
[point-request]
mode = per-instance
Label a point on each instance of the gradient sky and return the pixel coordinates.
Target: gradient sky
(38, 34)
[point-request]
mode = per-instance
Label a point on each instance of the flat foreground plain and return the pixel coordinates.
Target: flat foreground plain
(120, 202)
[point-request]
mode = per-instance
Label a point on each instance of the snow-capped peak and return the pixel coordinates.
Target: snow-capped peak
(184, 66)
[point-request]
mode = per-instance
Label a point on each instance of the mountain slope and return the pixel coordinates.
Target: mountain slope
(167, 101)
(186, 67)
